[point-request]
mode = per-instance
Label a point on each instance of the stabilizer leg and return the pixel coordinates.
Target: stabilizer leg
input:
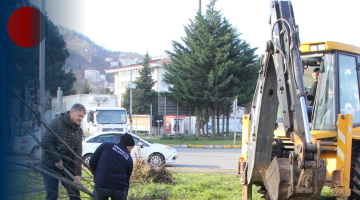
(247, 192)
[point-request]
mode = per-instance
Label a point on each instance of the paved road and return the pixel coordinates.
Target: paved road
(192, 160)
(207, 158)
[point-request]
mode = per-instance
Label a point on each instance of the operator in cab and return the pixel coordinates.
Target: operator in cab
(311, 96)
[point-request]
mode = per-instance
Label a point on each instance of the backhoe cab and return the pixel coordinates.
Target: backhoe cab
(310, 146)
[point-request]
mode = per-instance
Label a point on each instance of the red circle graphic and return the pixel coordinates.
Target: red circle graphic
(25, 27)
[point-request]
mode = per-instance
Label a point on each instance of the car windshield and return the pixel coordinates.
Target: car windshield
(111, 117)
(147, 141)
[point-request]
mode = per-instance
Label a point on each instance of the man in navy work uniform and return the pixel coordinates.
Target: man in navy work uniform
(112, 165)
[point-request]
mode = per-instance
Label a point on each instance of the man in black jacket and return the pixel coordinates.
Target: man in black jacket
(311, 96)
(112, 165)
(55, 155)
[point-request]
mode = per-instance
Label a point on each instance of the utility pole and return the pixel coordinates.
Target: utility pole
(150, 121)
(59, 100)
(164, 122)
(130, 114)
(177, 118)
(235, 113)
(158, 127)
(42, 71)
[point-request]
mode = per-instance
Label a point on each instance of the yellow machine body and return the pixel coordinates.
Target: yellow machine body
(337, 142)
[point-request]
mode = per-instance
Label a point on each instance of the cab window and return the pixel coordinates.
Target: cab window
(348, 88)
(325, 114)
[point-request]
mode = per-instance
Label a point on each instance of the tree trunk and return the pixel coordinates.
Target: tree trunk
(218, 121)
(213, 121)
(223, 121)
(207, 121)
(198, 110)
(227, 120)
(202, 121)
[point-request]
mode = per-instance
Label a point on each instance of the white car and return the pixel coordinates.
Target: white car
(26, 145)
(155, 154)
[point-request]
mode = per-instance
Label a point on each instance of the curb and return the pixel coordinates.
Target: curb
(179, 145)
(204, 146)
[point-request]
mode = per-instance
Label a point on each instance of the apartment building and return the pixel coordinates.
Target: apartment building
(122, 76)
(127, 61)
(92, 75)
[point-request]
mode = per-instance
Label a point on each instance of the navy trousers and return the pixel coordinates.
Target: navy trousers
(104, 194)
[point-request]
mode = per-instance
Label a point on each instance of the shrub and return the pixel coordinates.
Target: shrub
(221, 138)
(231, 137)
(191, 137)
(179, 136)
(165, 137)
(144, 173)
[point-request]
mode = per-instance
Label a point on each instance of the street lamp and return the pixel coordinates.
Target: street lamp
(131, 86)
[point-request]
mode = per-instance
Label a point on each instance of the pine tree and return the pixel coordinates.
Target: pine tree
(214, 66)
(144, 81)
(86, 88)
(143, 95)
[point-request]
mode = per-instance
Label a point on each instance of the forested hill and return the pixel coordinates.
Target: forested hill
(84, 53)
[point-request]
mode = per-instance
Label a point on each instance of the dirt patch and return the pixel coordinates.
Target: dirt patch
(202, 170)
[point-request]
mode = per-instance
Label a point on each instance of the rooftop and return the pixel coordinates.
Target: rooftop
(151, 63)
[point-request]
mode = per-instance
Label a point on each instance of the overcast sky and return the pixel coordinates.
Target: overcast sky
(150, 25)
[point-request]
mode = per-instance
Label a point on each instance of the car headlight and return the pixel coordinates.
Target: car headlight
(169, 149)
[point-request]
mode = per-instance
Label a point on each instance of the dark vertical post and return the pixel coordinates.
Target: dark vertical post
(164, 122)
(130, 114)
(42, 71)
(150, 121)
(177, 118)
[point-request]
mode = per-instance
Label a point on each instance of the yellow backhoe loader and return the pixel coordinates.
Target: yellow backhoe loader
(290, 149)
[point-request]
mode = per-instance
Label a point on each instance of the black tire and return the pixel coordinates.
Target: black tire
(264, 193)
(156, 160)
(355, 170)
(35, 153)
(86, 158)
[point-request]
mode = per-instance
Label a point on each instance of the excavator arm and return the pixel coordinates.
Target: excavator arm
(301, 174)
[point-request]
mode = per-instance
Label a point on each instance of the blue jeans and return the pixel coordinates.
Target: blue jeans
(104, 194)
(52, 185)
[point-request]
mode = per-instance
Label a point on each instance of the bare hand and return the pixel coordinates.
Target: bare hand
(59, 164)
(78, 180)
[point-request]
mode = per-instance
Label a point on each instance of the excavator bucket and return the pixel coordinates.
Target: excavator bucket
(283, 179)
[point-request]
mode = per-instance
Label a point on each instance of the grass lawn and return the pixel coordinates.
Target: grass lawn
(200, 186)
(24, 184)
(28, 185)
(205, 142)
